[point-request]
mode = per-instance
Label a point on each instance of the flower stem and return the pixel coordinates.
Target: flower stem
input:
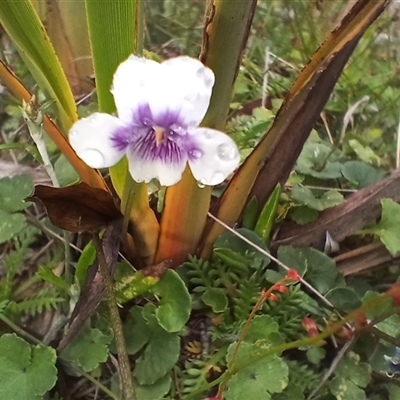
(128, 392)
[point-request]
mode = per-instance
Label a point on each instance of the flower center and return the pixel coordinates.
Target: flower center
(160, 136)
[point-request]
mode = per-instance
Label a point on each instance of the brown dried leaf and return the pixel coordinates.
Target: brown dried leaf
(77, 208)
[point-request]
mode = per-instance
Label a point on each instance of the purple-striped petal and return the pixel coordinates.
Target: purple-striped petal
(147, 160)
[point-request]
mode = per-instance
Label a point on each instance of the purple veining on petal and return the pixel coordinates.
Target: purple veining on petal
(146, 148)
(178, 145)
(122, 137)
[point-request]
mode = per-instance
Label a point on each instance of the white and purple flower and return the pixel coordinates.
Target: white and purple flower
(160, 107)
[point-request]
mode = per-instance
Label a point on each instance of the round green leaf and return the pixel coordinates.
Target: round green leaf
(306, 197)
(13, 191)
(175, 305)
(216, 299)
(26, 372)
(344, 298)
(10, 225)
(259, 379)
(159, 357)
(361, 173)
(88, 349)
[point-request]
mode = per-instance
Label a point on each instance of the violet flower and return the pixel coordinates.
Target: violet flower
(160, 108)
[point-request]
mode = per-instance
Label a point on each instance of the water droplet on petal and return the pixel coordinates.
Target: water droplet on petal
(177, 129)
(93, 158)
(196, 153)
(146, 122)
(73, 133)
(217, 178)
(227, 151)
(209, 133)
(201, 183)
(94, 119)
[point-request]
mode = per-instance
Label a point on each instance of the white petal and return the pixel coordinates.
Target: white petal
(184, 86)
(219, 156)
(91, 139)
(144, 170)
(131, 83)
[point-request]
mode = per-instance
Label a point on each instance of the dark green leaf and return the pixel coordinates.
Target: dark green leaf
(344, 298)
(316, 267)
(303, 215)
(231, 241)
(160, 355)
(136, 330)
(305, 196)
(361, 173)
(318, 160)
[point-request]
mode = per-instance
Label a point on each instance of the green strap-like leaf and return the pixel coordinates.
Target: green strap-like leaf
(112, 38)
(23, 25)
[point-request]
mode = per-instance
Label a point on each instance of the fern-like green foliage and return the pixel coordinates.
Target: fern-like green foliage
(193, 376)
(13, 260)
(302, 375)
(43, 300)
(242, 278)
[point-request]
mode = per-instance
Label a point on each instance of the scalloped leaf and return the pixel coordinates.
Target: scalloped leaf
(26, 372)
(161, 352)
(260, 379)
(88, 349)
(175, 305)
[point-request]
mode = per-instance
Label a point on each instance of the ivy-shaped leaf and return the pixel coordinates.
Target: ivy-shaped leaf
(361, 174)
(260, 379)
(351, 377)
(161, 352)
(136, 330)
(175, 305)
(26, 372)
(10, 225)
(318, 160)
(316, 267)
(344, 298)
(306, 197)
(13, 191)
(88, 349)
